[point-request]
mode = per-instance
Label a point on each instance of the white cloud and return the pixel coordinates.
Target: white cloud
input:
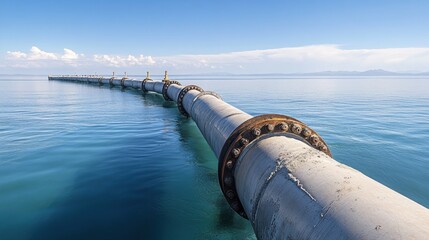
(307, 59)
(69, 55)
(37, 54)
(124, 61)
(37, 58)
(16, 54)
(150, 60)
(311, 58)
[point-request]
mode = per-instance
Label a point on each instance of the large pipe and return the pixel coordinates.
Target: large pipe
(279, 174)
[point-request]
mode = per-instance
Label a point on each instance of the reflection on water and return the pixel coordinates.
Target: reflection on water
(89, 161)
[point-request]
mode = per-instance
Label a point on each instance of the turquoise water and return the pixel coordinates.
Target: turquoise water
(82, 161)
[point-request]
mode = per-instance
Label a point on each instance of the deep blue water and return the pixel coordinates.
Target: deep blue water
(80, 161)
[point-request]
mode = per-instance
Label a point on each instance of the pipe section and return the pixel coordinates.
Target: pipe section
(290, 190)
(215, 118)
(174, 91)
(283, 177)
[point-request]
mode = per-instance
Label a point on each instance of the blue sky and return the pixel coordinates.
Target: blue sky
(203, 31)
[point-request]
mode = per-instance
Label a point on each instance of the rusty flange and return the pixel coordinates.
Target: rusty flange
(143, 87)
(182, 95)
(251, 130)
(165, 88)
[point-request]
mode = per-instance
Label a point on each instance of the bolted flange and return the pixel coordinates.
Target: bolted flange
(167, 83)
(182, 95)
(123, 81)
(143, 87)
(250, 131)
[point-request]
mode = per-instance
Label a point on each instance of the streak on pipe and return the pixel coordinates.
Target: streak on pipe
(286, 187)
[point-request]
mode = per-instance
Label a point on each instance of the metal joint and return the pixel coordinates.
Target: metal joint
(143, 87)
(165, 88)
(111, 80)
(123, 81)
(182, 95)
(250, 131)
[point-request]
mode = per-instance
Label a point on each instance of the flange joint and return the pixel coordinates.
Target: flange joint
(182, 95)
(250, 131)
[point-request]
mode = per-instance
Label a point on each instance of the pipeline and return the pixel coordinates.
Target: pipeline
(279, 173)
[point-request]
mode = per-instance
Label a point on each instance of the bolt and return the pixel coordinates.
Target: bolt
(235, 206)
(306, 132)
(236, 152)
(228, 181)
(244, 141)
(229, 164)
(296, 128)
(314, 140)
(270, 127)
(284, 126)
(323, 148)
(256, 131)
(230, 194)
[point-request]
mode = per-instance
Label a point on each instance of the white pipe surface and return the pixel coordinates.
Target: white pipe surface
(173, 91)
(215, 118)
(291, 190)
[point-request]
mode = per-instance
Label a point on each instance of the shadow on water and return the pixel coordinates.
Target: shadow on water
(155, 99)
(149, 98)
(115, 197)
(224, 218)
(152, 99)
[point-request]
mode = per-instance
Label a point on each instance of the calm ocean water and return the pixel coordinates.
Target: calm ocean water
(80, 161)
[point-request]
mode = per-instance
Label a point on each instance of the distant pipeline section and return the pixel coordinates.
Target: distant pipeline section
(279, 173)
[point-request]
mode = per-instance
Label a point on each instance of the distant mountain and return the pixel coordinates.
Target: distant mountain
(422, 74)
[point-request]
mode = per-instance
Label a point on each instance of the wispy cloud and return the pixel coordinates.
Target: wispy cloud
(281, 60)
(120, 61)
(17, 55)
(309, 59)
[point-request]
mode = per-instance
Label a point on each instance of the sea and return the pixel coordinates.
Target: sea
(82, 161)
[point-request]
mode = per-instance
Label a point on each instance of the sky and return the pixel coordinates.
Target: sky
(202, 37)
